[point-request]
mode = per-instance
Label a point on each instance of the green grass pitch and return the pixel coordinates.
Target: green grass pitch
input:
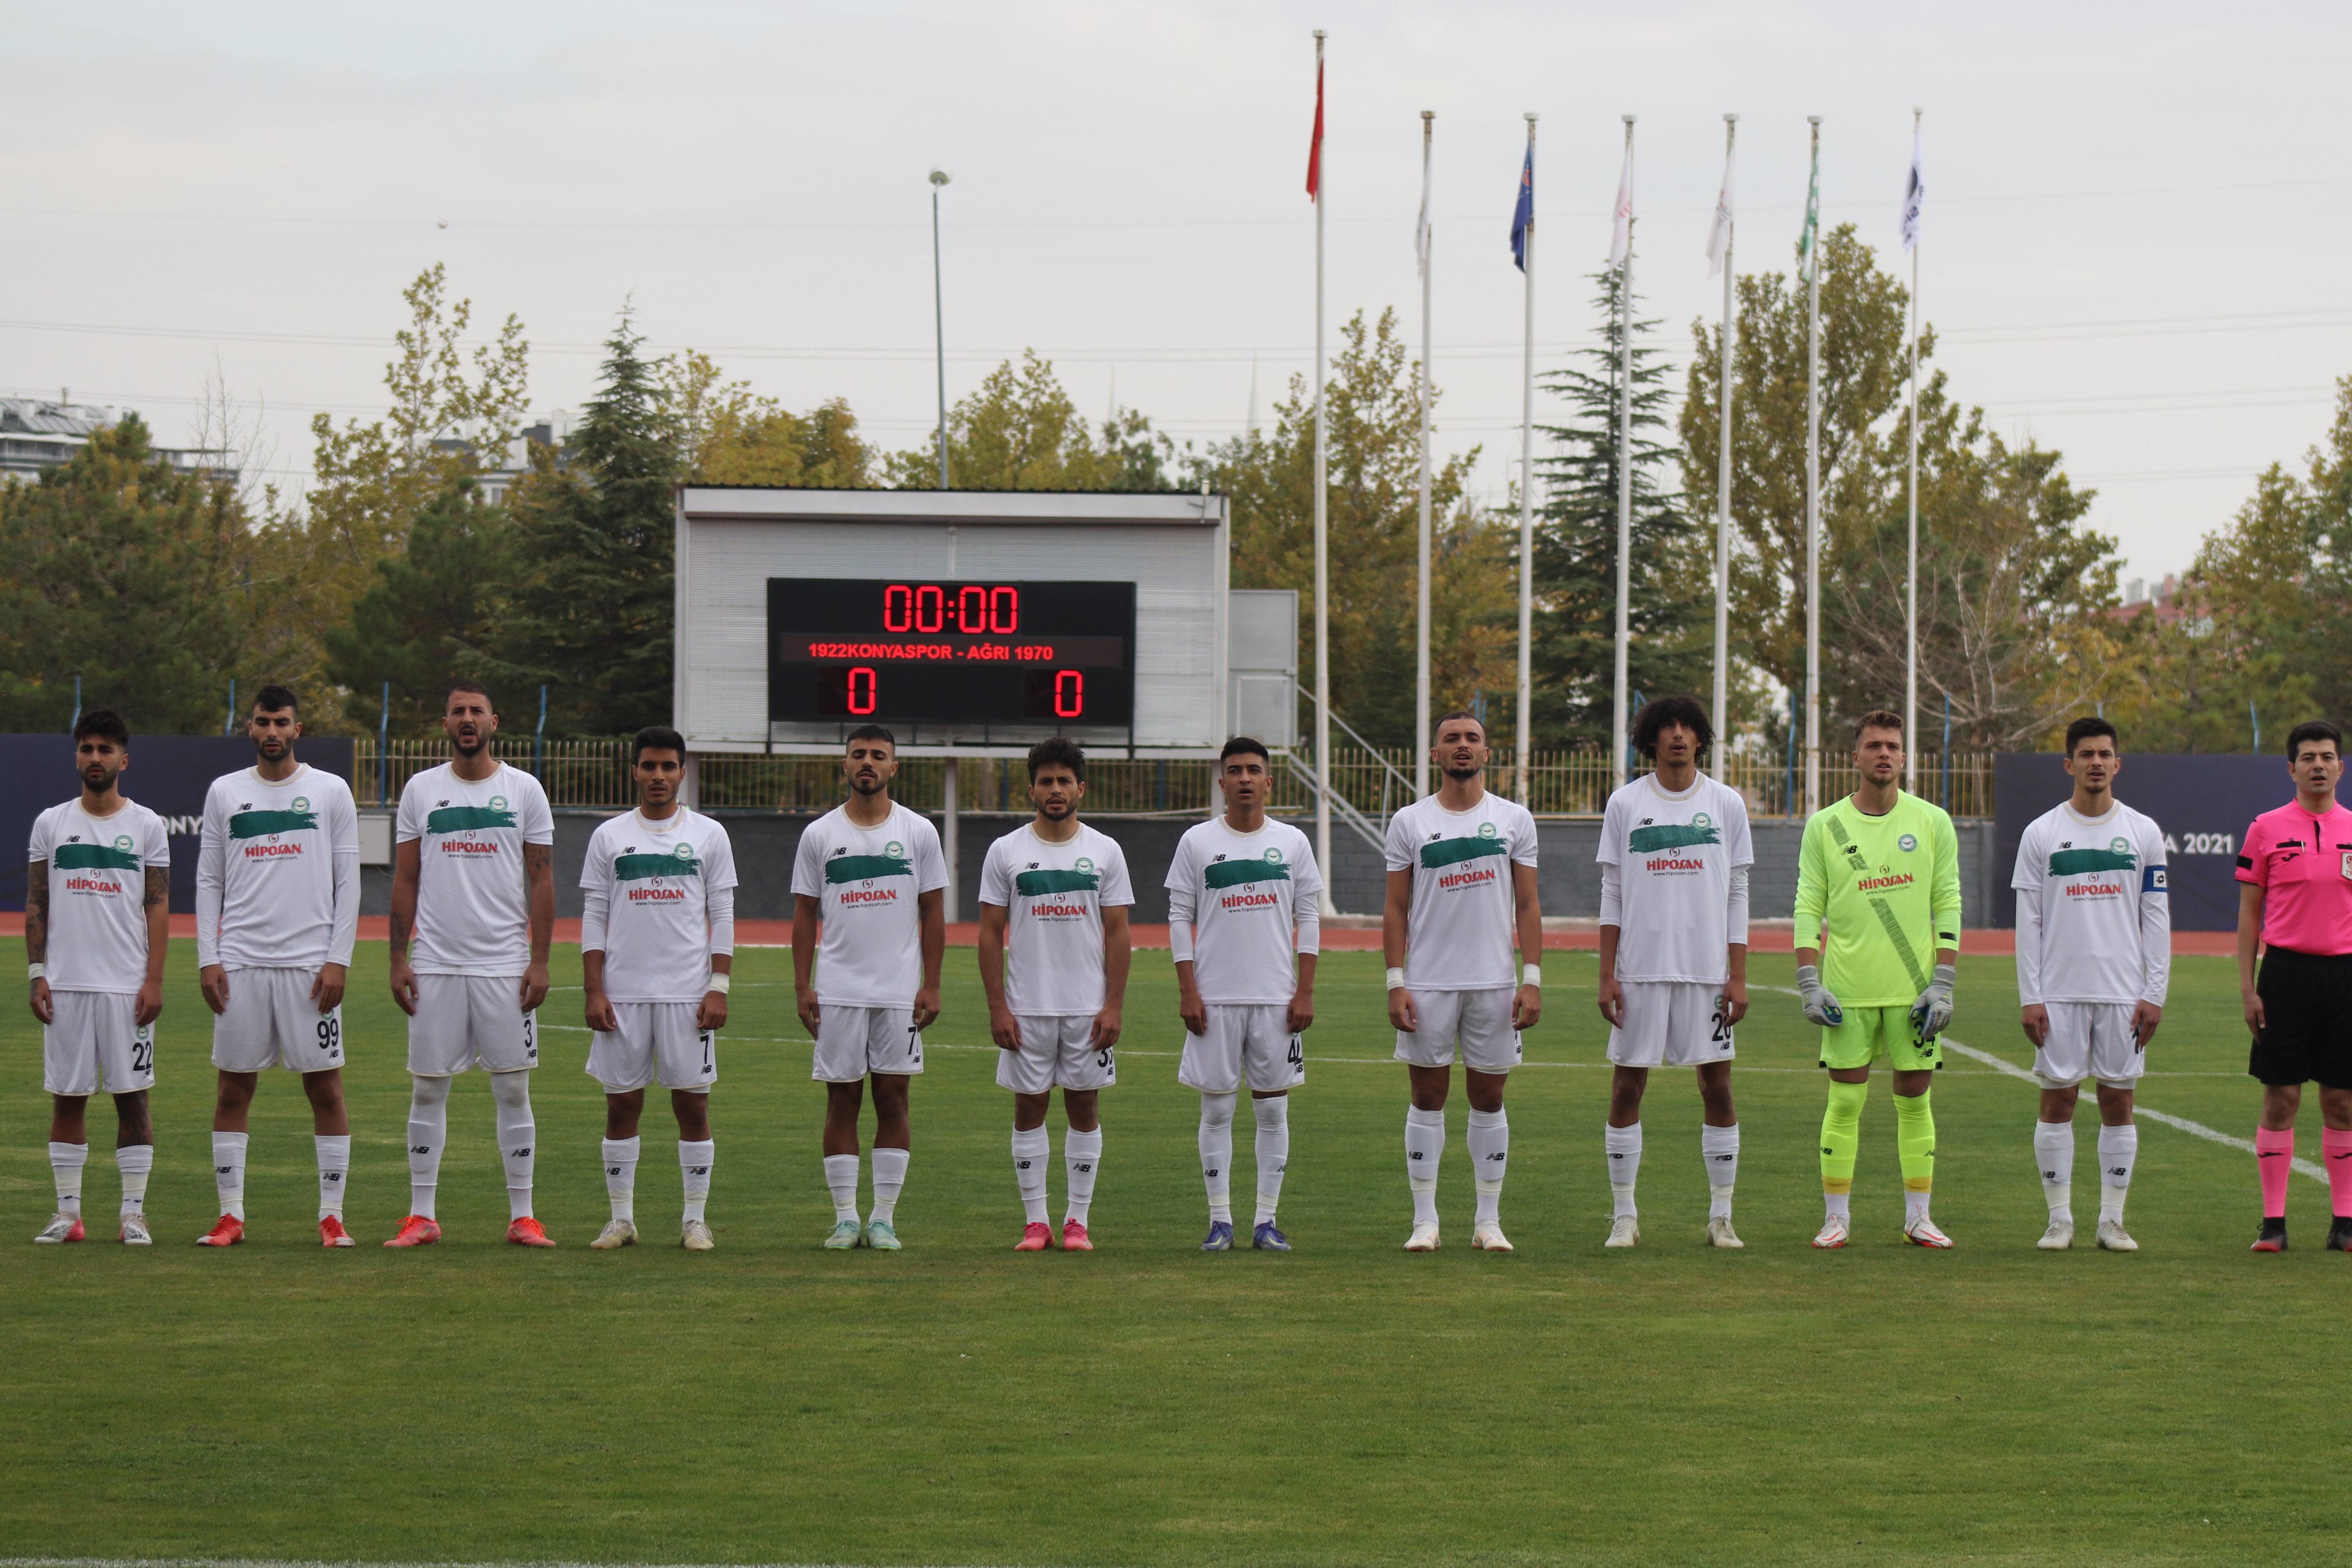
(771, 1402)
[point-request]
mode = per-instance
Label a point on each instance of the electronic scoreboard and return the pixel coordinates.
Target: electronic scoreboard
(971, 651)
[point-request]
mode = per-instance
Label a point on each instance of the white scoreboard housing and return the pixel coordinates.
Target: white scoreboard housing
(1172, 549)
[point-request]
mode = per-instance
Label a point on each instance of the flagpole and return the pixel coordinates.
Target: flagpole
(1725, 376)
(1813, 505)
(1617, 758)
(1911, 577)
(1322, 528)
(1526, 499)
(1422, 741)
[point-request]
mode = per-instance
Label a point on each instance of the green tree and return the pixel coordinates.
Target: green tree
(729, 435)
(1020, 431)
(594, 543)
(1575, 626)
(437, 612)
(122, 571)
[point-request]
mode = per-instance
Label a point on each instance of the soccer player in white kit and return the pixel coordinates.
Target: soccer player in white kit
(278, 909)
(871, 872)
(472, 885)
(2093, 962)
(97, 885)
(1242, 897)
(656, 943)
(1060, 890)
(1675, 856)
(1461, 885)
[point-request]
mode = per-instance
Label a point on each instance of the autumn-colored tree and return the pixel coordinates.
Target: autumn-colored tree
(729, 435)
(1020, 431)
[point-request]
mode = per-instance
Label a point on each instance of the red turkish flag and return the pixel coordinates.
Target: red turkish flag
(1315, 148)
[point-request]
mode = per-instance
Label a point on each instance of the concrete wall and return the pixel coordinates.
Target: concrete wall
(1567, 877)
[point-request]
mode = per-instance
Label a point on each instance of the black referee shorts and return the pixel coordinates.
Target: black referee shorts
(2307, 1019)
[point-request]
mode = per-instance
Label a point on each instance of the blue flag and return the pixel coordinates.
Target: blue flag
(1523, 216)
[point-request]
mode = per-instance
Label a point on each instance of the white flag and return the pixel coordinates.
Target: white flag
(1421, 224)
(1914, 193)
(1621, 233)
(1718, 239)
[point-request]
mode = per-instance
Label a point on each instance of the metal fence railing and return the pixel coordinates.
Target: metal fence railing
(595, 774)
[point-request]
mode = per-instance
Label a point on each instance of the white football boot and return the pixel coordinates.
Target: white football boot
(2060, 1236)
(1624, 1230)
(2113, 1238)
(1423, 1238)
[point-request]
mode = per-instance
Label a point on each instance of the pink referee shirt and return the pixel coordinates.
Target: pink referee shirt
(2303, 863)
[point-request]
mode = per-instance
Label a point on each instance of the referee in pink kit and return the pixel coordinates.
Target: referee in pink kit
(2296, 896)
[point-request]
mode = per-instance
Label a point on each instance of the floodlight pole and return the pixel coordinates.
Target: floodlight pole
(940, 320)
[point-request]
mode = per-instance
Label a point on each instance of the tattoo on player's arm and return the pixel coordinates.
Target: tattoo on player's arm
(36, 912)
(398, 931)
(159, 885)
(538, 859)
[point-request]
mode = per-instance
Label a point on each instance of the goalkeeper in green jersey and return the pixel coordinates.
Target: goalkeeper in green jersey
(1878, 889)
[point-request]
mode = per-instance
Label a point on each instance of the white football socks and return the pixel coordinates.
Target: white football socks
(1837, 1203)
(334, 1169)
(694, 1163)
(1030, 1151)
(621, 1176)
(428, 1133)
(841, 1180)
(1424, 1146)
(1718, 1149)
(889, 1176)
(228, 1172)
(2054, 1152)
(66, 1163)
(1915, 1207)
(518, 1138)
(1082, 1156)
(2118, 1152)
(1624, 1147)
(135, 1161)
(1217, 1154)
(1273, 1115)
(1489, 1137)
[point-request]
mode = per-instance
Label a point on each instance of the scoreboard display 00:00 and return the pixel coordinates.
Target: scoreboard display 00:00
(929, 651)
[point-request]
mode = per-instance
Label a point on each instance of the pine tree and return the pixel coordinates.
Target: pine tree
(1575, 622)
(596, 544)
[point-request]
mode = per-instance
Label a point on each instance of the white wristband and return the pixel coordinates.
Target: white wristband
(1531, 974)
(36, 971)
(1396, 979)
(719, 982)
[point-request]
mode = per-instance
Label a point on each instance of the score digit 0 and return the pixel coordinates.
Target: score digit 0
(977, 611)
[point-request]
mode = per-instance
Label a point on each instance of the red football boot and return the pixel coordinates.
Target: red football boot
(416, 1231)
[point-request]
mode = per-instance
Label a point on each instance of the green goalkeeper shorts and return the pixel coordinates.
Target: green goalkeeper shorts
(1870, 1034)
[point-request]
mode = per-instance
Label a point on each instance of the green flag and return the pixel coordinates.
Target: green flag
(1809, 242)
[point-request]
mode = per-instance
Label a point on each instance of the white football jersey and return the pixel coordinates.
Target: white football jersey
(868, 881)
(1053, 896)
(2093, 918)
(98, 892)
(277, 872)
(1460, 929)
(473, 897)
(658, 878)
(1675, 856)
(1246, 890)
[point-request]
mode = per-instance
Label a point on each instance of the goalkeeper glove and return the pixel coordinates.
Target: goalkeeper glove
(1931, 1015)
(1820, 1006)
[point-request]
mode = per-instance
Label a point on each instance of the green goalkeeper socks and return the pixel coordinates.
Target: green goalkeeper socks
(1915, 1140)
(1842, 1136)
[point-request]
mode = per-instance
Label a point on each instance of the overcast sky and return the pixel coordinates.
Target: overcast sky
(2136, 217)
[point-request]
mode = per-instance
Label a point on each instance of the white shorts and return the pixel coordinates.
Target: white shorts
(272, 1020)
(1479, 1020)
(464, 1020)
(1671, 1023)
(657, 1043)
(853, 1041)
(1244, 1036)
(2089, 1039)
(1056, 1051)
(91, 1043)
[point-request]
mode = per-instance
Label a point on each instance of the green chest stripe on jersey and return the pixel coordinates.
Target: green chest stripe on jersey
(1879, 907)
(866, 868)
(460, 818)
(2076, 863)
(269, 825)
(94, 857)
(636, 868)
(1039, 883)
(1671, 836)
(1233, 874)
(1453, 852)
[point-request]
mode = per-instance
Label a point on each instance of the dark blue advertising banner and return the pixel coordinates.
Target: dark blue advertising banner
(2202, 803)
(168, 775)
